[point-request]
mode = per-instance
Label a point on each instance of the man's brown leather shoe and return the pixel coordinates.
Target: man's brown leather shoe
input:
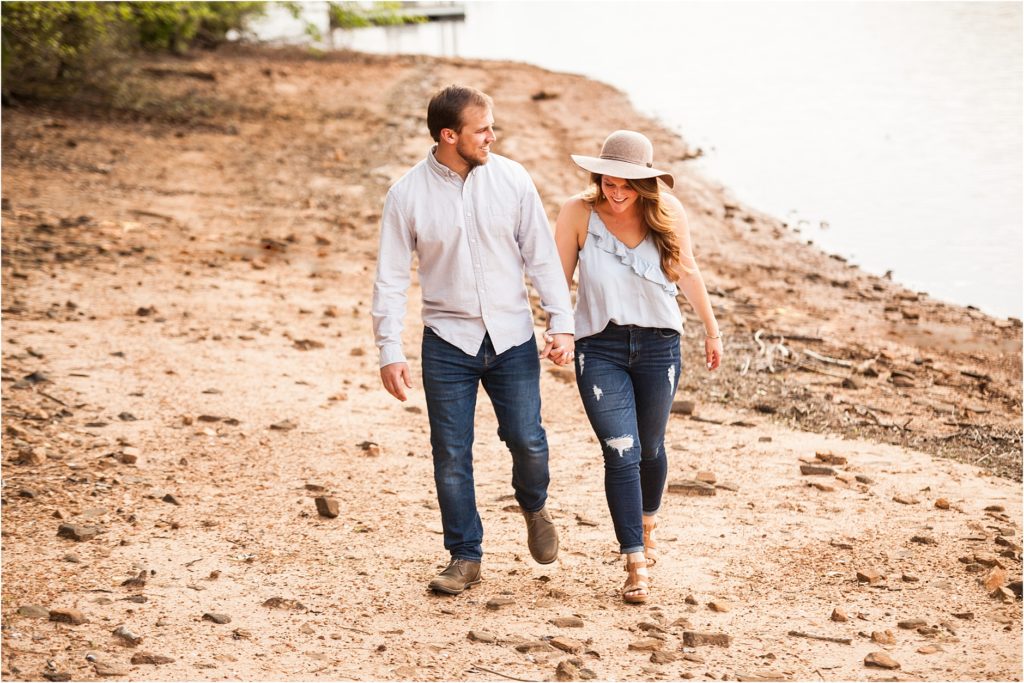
(457, 577)
(541, 536)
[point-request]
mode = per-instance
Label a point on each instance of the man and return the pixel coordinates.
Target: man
(476, 222)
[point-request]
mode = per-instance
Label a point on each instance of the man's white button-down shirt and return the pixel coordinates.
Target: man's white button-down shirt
(474, 239)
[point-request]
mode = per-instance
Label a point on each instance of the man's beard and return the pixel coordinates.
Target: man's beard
(472, 162)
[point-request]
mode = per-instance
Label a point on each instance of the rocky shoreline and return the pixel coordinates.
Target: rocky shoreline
(199, 461)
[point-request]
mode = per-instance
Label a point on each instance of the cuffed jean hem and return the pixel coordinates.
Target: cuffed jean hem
(627, 551)
(651, 514)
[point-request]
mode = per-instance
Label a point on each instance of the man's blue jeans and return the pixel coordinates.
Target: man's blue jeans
(627, 377)
(450, 382)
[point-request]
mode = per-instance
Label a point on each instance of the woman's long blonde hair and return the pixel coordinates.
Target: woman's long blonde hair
(655, 216)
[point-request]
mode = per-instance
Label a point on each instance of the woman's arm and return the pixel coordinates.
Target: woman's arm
(570, 232)
(691, 284)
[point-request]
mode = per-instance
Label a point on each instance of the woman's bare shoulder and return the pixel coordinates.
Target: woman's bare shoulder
(576, 205)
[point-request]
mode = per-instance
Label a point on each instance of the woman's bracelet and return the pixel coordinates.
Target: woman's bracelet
(708, 336)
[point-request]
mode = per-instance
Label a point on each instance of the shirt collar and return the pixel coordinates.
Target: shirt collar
(439, 168)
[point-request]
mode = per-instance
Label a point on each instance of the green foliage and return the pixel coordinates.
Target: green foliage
(82, 43)
(362, 14)
(176, 26)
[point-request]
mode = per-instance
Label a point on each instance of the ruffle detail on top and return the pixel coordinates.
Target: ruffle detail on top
(606, 241)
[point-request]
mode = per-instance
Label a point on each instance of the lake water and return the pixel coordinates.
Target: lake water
(888, 132)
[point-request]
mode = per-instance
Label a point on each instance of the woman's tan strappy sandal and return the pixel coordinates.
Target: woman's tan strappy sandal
(650, 543)
(637, 587)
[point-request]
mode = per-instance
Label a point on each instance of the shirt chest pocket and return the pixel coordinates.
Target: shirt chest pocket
(500, 223)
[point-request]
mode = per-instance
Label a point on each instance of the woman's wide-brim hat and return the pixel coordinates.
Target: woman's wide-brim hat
(625, 154)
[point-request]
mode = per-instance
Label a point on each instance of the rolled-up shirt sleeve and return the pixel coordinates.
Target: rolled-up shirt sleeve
(394, 259)
(540, 257)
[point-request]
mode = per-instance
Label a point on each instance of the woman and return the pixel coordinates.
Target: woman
(633, 248)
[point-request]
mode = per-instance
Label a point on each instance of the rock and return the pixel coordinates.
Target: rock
(241, 634)
(136, 581)
(830, 458)
(909, 578)
(827, 488)
(33, 612)
(481, 637)
(987, 560)
(661, 657)
(57, 676)
(683, 623)
(307, 344)
(371, 448)
(567, 622)
(911, 624)
(647, 644)
(170, 498)
(567, 644)
(719, 606)
(683, 407)
(1015, 587)
(994, 579)
(326, 507)
(498, 603)
(67, 616)
(1004, 594)
(706, 477)
(690, 657)
(31, 455)
(690, 600)
(284, 603)
(284, 426)
(942, 504)
(923, 540)
(966, 616)
(691, 487)
(150, 658)
(217, 618)
(129, 638)
(129, 455)
(928, 630)
(881, 660)
(905, 500)
(885, 637)
(870, 576)
(696, 639)
(929, 649)
(533, 646)
(839, 614)
(567, 671)
(817, 470)
(995, 508)
(864, 479)
(650, 627)
(104, 667)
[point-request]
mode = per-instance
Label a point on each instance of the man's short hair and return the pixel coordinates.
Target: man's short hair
(446, 107)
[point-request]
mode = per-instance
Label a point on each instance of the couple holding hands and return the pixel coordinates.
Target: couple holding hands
(476, 223)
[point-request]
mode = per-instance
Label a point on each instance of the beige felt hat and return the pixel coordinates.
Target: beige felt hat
(625, 154)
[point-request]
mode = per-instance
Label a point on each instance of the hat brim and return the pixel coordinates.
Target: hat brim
(621, 169)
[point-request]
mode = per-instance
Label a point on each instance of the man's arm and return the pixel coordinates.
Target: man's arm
(544, 268)
(394, 258)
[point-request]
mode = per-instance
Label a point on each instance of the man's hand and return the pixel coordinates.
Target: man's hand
(559, 348)
(396, 378)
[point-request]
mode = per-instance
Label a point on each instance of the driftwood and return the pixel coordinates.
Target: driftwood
(498, 673)
(827, 359)
(827, 639)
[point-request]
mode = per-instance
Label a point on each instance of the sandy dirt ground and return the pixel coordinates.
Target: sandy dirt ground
(188, 363)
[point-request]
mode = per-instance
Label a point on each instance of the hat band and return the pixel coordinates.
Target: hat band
(610, 157)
